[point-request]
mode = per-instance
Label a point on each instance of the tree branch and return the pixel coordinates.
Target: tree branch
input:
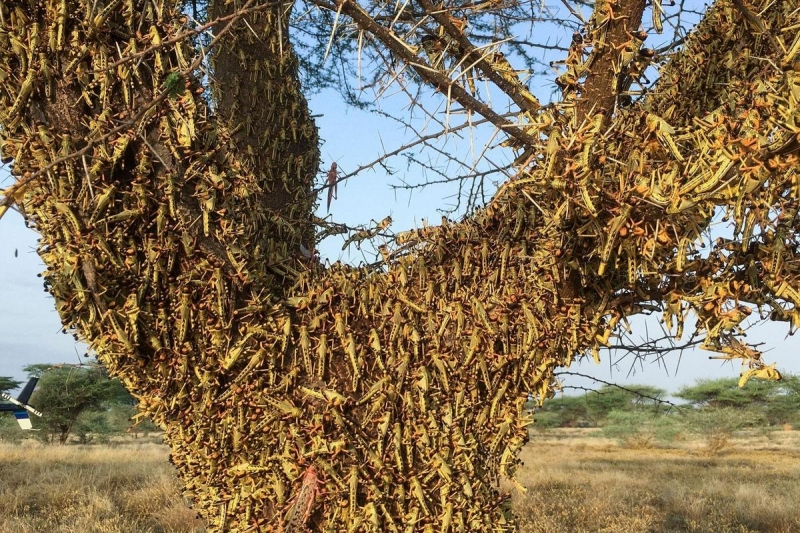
(509, 83)
(635, 392)
(611, 26)
(443, 83)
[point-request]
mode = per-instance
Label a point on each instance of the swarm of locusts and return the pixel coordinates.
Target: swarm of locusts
(296, 397)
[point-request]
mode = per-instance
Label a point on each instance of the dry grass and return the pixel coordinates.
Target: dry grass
(91, 489)
(576, 483)
(583, 484)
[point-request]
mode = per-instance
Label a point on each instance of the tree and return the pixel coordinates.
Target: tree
(566, 411)
(8, 384)
(594, 407)
(777, 401)
(726, 393)
(169, 170)
(718, 424)
(82, 401)
(116, 415)
(642, 429)
(9, 429)
(613, 398)
(64, 393)
(784, 406)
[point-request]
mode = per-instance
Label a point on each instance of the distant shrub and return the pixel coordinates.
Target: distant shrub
(641, 429)
(777, 401)
(9, 430)
(717, 425)
(547, 420)
(591, 408)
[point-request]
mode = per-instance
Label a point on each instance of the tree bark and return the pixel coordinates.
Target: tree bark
(257, 95)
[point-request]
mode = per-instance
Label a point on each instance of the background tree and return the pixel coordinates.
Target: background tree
(8, 384)
(169, 166)
(643, 429)
(778, 402)
(9, 429)
(592, 408)
(116, 415)
(726, 393)
(783, 407)
(717, 425)
(65, 393)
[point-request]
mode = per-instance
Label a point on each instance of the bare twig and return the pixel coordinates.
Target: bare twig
(431, 75)
(420, 139)
(638, 393)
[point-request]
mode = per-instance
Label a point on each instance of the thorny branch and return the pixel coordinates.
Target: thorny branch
(635, 392)
(472, 57)
(419, 139)
(435, 77)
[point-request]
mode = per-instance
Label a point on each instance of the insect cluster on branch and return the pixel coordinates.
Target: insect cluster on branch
(389, 399)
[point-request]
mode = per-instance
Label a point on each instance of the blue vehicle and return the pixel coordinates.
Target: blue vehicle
(19, 406)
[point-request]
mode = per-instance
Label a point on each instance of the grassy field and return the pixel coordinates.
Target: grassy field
(576, 483)
(91, 489)
(585, 484)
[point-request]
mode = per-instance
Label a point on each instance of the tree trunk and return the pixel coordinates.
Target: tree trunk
(63, 434)
(171, 223)
(257, 96)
